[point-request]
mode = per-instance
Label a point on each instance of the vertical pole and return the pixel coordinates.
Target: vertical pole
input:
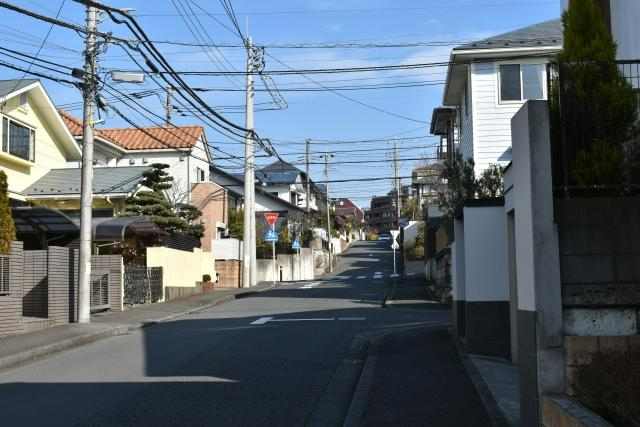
(252, 172)
(394, 258)
(273, 255)
(169, 105)
(86, 195)
(308, 161)
(248, 176)
(397, 179)
(326, 185)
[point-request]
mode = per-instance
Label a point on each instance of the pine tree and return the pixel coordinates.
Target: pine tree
(599, 106)
(7, 227)
(179, 218)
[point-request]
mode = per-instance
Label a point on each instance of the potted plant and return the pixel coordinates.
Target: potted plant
(207, 284)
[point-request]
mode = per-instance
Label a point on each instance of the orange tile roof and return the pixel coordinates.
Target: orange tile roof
(136, 139)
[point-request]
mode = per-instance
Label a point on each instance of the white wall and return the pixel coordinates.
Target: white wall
(224, 249)
(492, 119)
(458, 288)
(485, 247)
(466, 121)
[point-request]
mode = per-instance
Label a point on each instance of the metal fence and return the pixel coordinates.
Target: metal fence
(99, 296)
(142, 284)
(595, 111)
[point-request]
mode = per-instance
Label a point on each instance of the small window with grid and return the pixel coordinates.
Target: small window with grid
(4, 275)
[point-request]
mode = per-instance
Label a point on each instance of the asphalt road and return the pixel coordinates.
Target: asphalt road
(289, 356)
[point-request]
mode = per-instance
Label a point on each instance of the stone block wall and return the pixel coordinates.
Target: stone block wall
(230, 273)
(599, 242)
(11, 303)
(579, 349)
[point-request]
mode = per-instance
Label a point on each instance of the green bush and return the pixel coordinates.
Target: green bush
(416, 253)
(7, 227)
(372, 236)
(610, 386)
(206, 278)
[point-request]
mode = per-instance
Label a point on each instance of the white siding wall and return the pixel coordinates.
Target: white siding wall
(466, 128)
(492, 119)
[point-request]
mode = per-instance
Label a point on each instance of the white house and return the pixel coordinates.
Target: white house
(487, 82)
(183, 148)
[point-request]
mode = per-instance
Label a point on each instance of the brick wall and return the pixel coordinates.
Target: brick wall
(35, 284)
(11, 304)
(213, 201)
(230, 272)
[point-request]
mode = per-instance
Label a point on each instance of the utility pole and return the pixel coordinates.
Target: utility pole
(89, 92)
(397, 179)
(169, 105)
(308, 161)
(249, 230)
(327, 156)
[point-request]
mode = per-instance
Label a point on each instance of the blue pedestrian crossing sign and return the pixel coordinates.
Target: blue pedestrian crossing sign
(271, 235)
(296, 244)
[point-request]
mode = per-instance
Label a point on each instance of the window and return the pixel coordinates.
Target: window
(4, 275)
(18, 140)
(521, 82)
(510, 83)
(23, 100)
(199, 175)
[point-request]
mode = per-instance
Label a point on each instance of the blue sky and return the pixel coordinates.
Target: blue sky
(320, 115)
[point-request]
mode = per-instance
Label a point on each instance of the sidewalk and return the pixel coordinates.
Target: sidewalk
(495, 380)
(18, 349)
(415, 374)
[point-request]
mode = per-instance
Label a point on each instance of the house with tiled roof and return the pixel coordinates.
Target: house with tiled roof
(487, 82)
(184, 148)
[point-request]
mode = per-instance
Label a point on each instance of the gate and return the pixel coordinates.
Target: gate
(142, 284)
(99, 295)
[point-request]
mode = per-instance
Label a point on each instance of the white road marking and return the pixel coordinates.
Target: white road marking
(394, 275)
(361, 277)
(411, 274)
(310, 285)
(263, 320)
(377, 276)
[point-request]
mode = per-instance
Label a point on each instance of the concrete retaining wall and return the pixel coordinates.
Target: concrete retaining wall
(181, 268)
(561, 411)
(288, 267)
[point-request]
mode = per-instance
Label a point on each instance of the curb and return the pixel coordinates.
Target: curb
(495, 413)
(219, 301)
(108, 332)
(48, 349)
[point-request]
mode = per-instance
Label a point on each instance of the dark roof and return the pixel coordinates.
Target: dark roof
(272, 177)
(239, 178)
(548, 33)
(280, 166)
(121, 180)
(7, 87)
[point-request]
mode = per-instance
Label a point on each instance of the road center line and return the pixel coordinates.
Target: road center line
(264, 320)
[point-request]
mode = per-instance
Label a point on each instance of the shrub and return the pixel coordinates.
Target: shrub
(372, 236)
(610, 386)
(7, 227)
(416, 253)
(206, 278)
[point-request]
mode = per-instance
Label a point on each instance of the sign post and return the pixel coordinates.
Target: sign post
(272, 237)
(295, 245)
(394, 246)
